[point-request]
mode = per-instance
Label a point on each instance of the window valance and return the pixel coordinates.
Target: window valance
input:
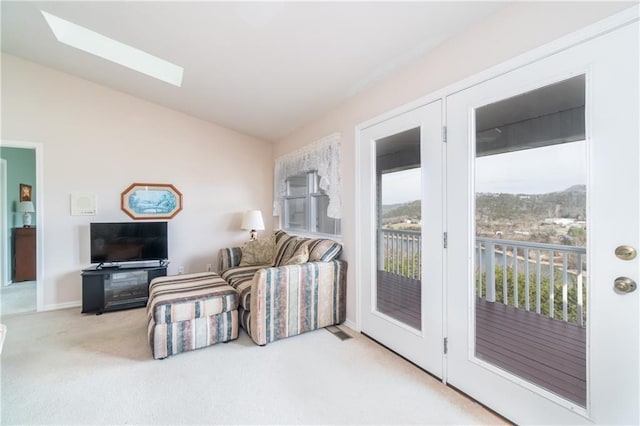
(322, 156)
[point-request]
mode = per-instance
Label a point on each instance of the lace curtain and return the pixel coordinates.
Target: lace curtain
(322, 156)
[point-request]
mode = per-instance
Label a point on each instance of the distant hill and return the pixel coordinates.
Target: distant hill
(388, 207)
(577, 188)
(410, 210)
(569, 203)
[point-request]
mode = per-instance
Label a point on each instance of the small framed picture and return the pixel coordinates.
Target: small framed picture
(25, 192)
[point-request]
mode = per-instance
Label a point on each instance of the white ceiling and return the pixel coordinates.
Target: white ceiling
(263, 69)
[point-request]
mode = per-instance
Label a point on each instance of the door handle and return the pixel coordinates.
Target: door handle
(624, 285)
(625, 252)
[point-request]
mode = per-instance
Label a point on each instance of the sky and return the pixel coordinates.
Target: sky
(401, 187)
(532, 171)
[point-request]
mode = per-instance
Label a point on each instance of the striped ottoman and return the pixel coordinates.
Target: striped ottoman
(191, 311)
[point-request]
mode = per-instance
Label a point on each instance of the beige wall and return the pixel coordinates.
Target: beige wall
(516, 29)
(99, 141)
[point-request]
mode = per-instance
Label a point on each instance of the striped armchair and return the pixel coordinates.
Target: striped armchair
(282, 300)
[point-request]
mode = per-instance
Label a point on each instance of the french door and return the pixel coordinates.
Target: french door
(532, 307)
(542, 212)
(400, 234)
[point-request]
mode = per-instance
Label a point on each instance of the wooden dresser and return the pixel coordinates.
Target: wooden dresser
(24, 254)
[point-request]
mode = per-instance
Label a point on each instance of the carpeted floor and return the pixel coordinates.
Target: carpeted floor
(62, 367)
(18, 298)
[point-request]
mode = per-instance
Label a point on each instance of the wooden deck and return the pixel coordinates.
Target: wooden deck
(548, 352)
(542, 350)
(400, 298)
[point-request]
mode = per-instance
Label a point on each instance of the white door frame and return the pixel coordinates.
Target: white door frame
(4, 230)
(604, 26)
(38, 148)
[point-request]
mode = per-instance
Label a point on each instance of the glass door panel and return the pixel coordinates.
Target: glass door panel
(531, 227)
(399, 227)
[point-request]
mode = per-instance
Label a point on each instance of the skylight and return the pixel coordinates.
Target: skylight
(90, 41)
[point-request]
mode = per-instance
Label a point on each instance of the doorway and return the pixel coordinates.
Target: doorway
(4, 241)
(21, 287)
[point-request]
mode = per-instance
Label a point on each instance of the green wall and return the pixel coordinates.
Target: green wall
(21, 168)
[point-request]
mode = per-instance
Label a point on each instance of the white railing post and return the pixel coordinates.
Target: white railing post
(579, 290)
(477, 272)
(382, 244)
(411, 270)
(527, 302)
(505, 287)
(394, 246)
(538, 282)
(480, 264)
(418, 257)
(490, 268)
(552, 286)
(515, 276)
(565, 289)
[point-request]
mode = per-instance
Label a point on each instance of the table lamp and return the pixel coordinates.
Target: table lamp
(253, 220)
(26, 207)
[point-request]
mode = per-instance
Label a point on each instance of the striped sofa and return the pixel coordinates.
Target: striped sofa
(281, 300)
(191, 311)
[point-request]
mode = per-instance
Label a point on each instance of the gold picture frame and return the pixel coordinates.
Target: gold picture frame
(151, 201)
(25, 192)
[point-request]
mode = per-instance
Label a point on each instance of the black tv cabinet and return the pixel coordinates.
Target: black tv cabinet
(113, 289)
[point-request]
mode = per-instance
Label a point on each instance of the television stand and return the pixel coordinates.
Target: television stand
(112, 289)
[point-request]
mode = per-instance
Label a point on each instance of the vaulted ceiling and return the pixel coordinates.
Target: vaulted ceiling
(263, 68)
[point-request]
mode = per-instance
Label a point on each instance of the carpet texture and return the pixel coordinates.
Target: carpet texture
(62, 367)
(18, 298)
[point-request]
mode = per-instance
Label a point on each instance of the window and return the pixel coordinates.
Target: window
(307, 188)
(305, 206)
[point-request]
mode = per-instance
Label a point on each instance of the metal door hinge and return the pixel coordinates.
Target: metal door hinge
(446, 348)
(444, 134)
(445, 240)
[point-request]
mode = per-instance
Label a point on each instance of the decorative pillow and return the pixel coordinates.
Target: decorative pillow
(293, 247)
(301, 255)
(258, 252)
(323, 250)
(283, 250)
(279, 234)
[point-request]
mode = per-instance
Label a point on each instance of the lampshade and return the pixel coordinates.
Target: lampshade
(253, 220)
(26, 207)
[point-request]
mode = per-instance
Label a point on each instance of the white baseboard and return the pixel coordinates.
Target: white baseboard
(351, 325)
(66, 305)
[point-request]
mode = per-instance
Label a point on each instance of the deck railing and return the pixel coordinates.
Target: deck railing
(549, 279)
(400, 252)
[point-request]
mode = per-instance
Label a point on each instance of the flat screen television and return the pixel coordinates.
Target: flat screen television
(128, 242)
